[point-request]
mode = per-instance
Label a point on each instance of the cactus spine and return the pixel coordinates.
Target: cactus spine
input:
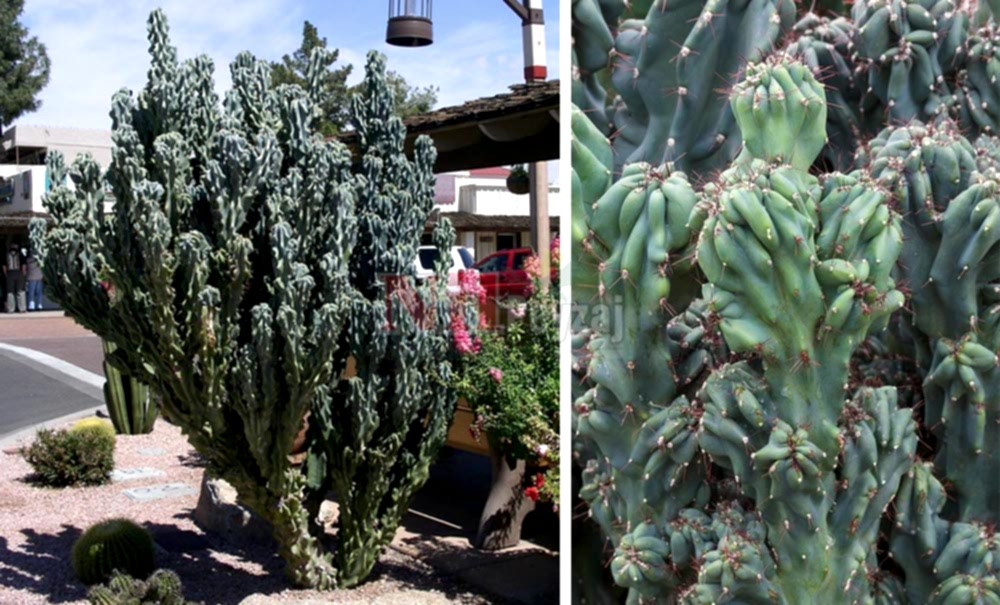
(245, 260)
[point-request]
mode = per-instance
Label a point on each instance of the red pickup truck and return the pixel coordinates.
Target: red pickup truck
(503, 276)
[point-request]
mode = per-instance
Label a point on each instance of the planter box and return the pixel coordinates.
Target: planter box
(459, 436)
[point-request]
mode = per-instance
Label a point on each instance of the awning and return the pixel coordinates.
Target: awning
(18, 223)
(466, 221)
(518, 127)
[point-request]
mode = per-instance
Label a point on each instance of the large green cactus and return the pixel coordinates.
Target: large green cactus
(243, 263)
(807, 468)
(131, 406)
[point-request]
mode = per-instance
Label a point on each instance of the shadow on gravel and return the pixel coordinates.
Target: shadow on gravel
(192, 460)
(192, 555)
(42, 565)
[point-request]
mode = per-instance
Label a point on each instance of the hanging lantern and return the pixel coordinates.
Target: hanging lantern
(410, 23)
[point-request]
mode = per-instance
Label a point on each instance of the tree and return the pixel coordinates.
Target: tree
(24, 65)
(333, 106)
(410, 100)
(335, 103)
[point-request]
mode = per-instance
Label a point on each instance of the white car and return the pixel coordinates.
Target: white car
(461, 259)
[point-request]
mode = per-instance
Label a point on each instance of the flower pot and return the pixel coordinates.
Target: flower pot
(460, 433)
(506, 507)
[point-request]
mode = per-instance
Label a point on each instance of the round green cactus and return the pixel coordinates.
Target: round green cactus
(96, 426)
(115, 544)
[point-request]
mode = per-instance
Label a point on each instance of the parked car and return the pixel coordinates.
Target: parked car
(503, 276)
(461, 259)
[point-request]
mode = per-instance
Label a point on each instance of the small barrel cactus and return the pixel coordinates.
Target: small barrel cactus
(96, 426)
(115, 544)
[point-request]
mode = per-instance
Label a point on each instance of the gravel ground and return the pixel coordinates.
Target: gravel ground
(39, 525)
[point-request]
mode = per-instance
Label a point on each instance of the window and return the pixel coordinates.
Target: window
(506, 241)
(519, 259)
(495, 264)
(428, 256)
(467, 260)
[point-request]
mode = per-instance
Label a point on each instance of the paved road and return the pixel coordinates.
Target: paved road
(31, 394)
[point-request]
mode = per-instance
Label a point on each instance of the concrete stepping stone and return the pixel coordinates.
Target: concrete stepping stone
(134, 474)
(151, 452)
(159, 492)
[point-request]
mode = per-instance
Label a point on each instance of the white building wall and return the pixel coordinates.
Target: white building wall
(29, 186)
(495, 200)
(70, 142)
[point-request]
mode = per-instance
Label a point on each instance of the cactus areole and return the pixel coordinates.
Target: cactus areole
(242, 264)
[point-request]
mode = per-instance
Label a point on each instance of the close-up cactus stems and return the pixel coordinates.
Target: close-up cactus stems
(245, 261)
(786, 264)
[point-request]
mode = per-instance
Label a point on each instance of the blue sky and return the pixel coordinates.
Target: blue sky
(97, 46)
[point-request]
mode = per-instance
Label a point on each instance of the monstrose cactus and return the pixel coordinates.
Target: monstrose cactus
(747, 443)
(246, 263)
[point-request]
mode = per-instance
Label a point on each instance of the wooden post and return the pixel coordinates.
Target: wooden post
(540, 230)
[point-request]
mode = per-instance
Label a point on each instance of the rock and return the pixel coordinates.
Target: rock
(220, 513)
(329, 512)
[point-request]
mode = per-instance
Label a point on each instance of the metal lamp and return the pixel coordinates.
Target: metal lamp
(410, 23)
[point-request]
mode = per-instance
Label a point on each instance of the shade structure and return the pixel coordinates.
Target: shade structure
(410, 23)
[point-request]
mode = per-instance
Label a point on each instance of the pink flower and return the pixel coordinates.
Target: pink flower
(470, 286)
(531, 493)
(496, 374)
(464, 343)
(533, 267)
(542, 450)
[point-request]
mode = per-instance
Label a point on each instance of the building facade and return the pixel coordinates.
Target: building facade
(486, 216)
(24, 179)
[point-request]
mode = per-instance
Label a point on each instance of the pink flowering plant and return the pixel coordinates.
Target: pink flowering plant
(512, 384)
(465, 318)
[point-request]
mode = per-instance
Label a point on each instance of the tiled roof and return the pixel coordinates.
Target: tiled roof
(466, 221)
(522, 97)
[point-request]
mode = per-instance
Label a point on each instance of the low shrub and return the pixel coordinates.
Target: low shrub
(162, 588)
(68, 458)
(113, 545)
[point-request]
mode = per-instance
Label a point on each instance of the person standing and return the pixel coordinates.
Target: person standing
(14, 270)
(34, 275)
